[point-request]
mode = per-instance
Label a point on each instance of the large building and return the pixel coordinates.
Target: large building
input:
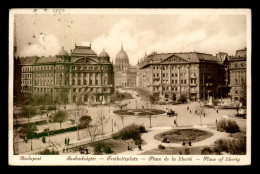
(169, 75)
(125, 74)
(81, 76)
(237, 71)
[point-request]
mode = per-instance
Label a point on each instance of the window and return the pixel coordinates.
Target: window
(96, 82)
(236, 81)
(90, 82)
(74, 89)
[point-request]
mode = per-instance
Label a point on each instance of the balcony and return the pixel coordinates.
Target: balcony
(193, 84)
(193, 77)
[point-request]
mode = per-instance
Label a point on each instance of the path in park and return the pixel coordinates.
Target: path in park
(152, 143)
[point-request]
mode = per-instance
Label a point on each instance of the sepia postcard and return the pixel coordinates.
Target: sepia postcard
(129, 87)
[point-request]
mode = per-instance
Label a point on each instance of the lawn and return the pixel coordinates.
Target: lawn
(117, 146)
(180, 135)
(174, 151)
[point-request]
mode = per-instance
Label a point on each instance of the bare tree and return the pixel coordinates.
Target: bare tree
(102, 120)
(149, 104)
(27, 131)
(60, 117)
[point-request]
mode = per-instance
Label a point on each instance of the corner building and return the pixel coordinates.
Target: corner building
(81, 76)
(169, 75)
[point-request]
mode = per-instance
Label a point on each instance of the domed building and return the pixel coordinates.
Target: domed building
(124, 73)
(80, 76)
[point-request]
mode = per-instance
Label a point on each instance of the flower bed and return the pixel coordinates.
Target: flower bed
(180, 135)
(140, 112)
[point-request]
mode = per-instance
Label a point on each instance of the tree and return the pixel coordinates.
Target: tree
(42, 108)
(93, 132)
(28, 112)
(149, 100)
(183, 98)
(60, 117)
(27, 131)
(102, 119)
(84, 121)
(231, 127)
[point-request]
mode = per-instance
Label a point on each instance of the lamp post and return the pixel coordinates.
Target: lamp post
(77, 120)
(112, 125)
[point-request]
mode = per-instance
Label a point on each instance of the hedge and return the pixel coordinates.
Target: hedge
(53, 132)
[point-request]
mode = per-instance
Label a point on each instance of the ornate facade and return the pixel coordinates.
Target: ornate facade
(237, 71)
(169, 75)
(80, 76)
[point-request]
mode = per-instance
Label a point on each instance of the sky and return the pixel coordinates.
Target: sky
(46, 34)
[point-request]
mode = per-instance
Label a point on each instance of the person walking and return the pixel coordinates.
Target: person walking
(217, 111)
(63, 150)
(68, 141)
(204, 114)
(183, 143)
(190, 111)
(189, 143)
(65, 141)
(140, 147)
(188, 108)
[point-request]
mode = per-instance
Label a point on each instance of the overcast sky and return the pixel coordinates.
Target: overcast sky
(44, 35)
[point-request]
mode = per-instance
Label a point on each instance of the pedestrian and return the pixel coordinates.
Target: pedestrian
(183, 143)
(68, 141)
(63, 150)
(189, 143)
(204, 114)
(86, 151)
(196, 111)
(217, 111)
(140, 147)
(65, 141)
(190, 111)
(67, 149)
(25, 139)
(188, 108)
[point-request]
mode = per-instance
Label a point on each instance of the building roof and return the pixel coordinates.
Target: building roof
(122, 54)
(29, 60)
(197, 57)
(47, 60)
(63, 52)
(241, 53)
(193, 57)
(83, 50)
(103, 54)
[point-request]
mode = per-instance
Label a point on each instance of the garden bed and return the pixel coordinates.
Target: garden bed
(180, 135)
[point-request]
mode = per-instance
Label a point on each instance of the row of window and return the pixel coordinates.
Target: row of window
(174, 67)
(236, 65)
(26, 76)
(173, 74)
(88, 68)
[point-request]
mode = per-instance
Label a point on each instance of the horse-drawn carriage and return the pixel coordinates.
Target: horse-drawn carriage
(171, 113)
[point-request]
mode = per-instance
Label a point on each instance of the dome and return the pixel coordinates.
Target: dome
(103, 54)
(122, 55)
(62, 52)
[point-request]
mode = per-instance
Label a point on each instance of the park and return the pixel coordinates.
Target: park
(131, 124)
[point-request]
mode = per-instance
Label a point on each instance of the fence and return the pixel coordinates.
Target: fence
(88, 141)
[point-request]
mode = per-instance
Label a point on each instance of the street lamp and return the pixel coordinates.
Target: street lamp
(77, 120)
